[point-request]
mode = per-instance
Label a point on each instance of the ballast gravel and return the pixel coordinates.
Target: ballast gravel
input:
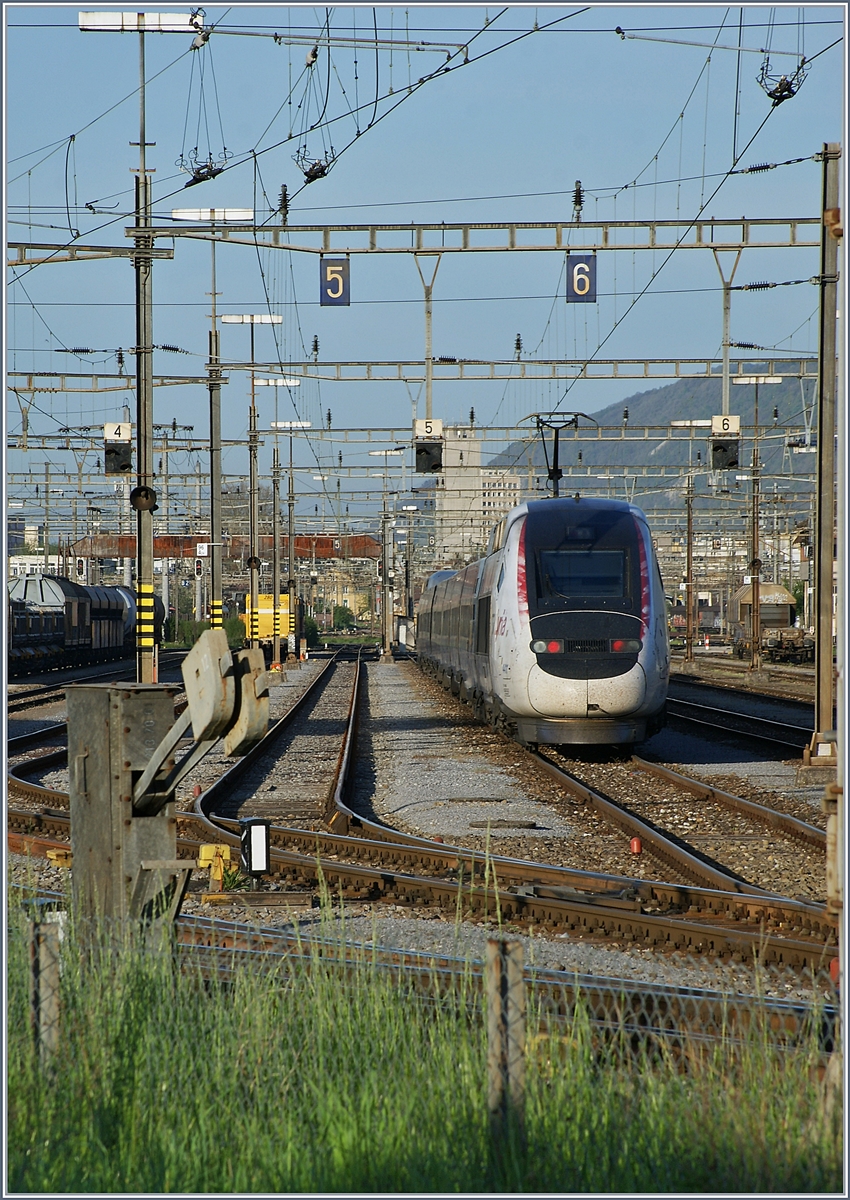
(424, 766)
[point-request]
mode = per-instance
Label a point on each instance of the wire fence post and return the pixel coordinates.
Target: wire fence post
(45, 937)
(505, 1044)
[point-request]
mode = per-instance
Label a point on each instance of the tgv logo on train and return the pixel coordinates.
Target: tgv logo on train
(560, 633)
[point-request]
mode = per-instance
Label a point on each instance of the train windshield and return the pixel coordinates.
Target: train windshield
(578, 573)
(584, 558)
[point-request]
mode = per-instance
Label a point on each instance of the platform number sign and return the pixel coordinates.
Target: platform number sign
(581, 278)
(334, 281)
(118, 431)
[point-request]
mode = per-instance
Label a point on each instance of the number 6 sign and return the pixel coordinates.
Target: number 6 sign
(581, 278)
(333, 281)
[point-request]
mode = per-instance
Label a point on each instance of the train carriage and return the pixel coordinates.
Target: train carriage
(560, 632)
(55, 621)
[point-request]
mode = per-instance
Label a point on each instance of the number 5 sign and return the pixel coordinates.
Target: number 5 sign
(333, 281)
(581, 278)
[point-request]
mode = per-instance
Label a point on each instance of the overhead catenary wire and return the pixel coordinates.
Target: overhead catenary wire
(668, 256)
(726, 173)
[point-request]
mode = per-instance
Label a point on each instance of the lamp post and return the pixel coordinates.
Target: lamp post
(252, 319)
(386, 591)
(755, 559)
(689, 574)
(287, 383)
(410, 509)
(320, 479)
(143, 496)
(290, 584)
(214, 385)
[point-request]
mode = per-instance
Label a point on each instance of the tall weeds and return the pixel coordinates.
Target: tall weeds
(298, 1077)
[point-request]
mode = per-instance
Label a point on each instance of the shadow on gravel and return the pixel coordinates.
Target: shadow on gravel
(365, 774)
(672, 746)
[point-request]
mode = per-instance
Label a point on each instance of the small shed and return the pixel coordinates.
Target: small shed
(776, 606)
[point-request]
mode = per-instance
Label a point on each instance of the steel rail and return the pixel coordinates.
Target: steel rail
(37, 737)
(718, 932)
(612, 891)
(791, 826)
(730, 672)
(18, 701)
(541, 904)
(612, 1004)
(669, 851)
(708, 720)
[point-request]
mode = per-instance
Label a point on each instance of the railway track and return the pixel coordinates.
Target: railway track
(54, 692)
(361, 859)
(781, 736)
(638, 1014)
(772, 680)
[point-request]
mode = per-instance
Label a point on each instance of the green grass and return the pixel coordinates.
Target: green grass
(303, 1082)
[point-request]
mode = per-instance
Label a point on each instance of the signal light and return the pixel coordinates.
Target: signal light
(724, 453)
(429, 457)
(255, 846)
(117, 458)
(199, 568)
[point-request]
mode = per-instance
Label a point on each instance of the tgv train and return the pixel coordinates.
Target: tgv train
(56, 622)
(560, 632)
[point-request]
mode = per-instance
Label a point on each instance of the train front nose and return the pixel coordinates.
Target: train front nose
(553, 697)
(558, 697)
(619, 697)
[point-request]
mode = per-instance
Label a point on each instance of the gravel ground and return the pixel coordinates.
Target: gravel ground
(281, 698)
(734, 840)
(427, 768)
(18, 726)
(715, 761)
(283, 785)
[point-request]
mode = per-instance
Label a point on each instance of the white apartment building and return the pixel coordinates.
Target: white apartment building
(469, 499)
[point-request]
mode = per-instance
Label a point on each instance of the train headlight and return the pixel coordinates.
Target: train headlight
(625, 645)
(552, 646)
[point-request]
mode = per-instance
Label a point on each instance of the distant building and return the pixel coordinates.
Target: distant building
(469, 498)
(15, 534)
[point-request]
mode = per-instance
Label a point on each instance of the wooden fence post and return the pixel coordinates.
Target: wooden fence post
(45, 936)
(505, 1040)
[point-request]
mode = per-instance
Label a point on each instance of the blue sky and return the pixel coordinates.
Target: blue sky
(504, 137)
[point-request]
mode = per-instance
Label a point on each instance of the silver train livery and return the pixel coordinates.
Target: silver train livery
(560, 633)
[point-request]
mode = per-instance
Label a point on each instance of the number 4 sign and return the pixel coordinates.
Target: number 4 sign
(334, 281)
(118, 431)
(581, 278)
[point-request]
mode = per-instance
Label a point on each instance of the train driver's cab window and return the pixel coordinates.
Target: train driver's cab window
(580, 573)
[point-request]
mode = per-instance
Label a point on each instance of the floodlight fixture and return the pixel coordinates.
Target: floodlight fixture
(136, 22)
(242, 215)
(252, 319)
